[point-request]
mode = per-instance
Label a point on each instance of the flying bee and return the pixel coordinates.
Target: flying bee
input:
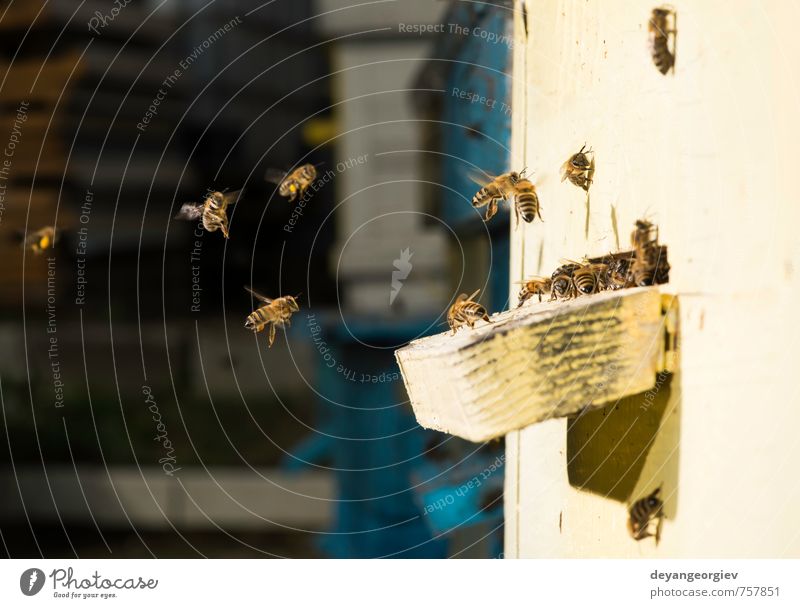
(537, 286)
(40, 240)
(293, 184)
(498, 189)
(503, 187)
(650, 266)
(526, 201)
(465, 311)
(579, 169)
(662, 27)
(213, 211)
(644, 235)
(588, 279)
(642, 513)
(563, 286)
(275, 313)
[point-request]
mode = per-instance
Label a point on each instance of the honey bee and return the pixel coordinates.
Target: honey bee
(40, 240)
(293, 184)
(579, 169)
(650, 266)
(499, 188)
(563, 286)
(618, 272)
(526, 201)
(642, 513)
(465, 311)
(644, 235)
(537, 286)
(213, 211)
(589, 278)
(275, 313)
(660, 31)
(506, 186)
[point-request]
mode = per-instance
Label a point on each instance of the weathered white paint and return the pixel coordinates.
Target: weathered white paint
(709, 154)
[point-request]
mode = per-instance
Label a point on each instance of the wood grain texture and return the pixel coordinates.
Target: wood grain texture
(543, 360)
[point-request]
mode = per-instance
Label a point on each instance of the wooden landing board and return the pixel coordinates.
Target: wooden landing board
(541, 361)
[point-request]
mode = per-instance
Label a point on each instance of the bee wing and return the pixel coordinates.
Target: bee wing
(564, 169)
(258, 296)
(189, 211)
(475, 293)
(274, 176)
(230, 198)
(480, 177)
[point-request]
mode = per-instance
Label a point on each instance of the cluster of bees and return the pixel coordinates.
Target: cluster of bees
(213, 214)
(646, 264)
(514, 186)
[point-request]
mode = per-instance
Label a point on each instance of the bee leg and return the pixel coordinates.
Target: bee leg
(516, 214)
(271, 334)
(491, 209)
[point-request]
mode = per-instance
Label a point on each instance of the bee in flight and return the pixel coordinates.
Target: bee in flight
(465, 311)
(508, 185)
(275, 313)
(650, 265)
(537, 286)
(213, 211)
(642, 513)
(579, 169)
(293, 184)
(660, 31)
(40, 240)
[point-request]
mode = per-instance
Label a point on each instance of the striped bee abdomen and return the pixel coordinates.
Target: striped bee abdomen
(642, 512)
(465, 311)
(660, 30)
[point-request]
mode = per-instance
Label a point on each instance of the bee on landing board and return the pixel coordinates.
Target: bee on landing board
(536, 286)
(293, 184)
(642, 513)
(563, 286)
(465, 311)
(275, 313)
(38, 241)
(213, 211)
(503, 187)
(589, 278)
(579, 169)
(618, 273)
(662, 28)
